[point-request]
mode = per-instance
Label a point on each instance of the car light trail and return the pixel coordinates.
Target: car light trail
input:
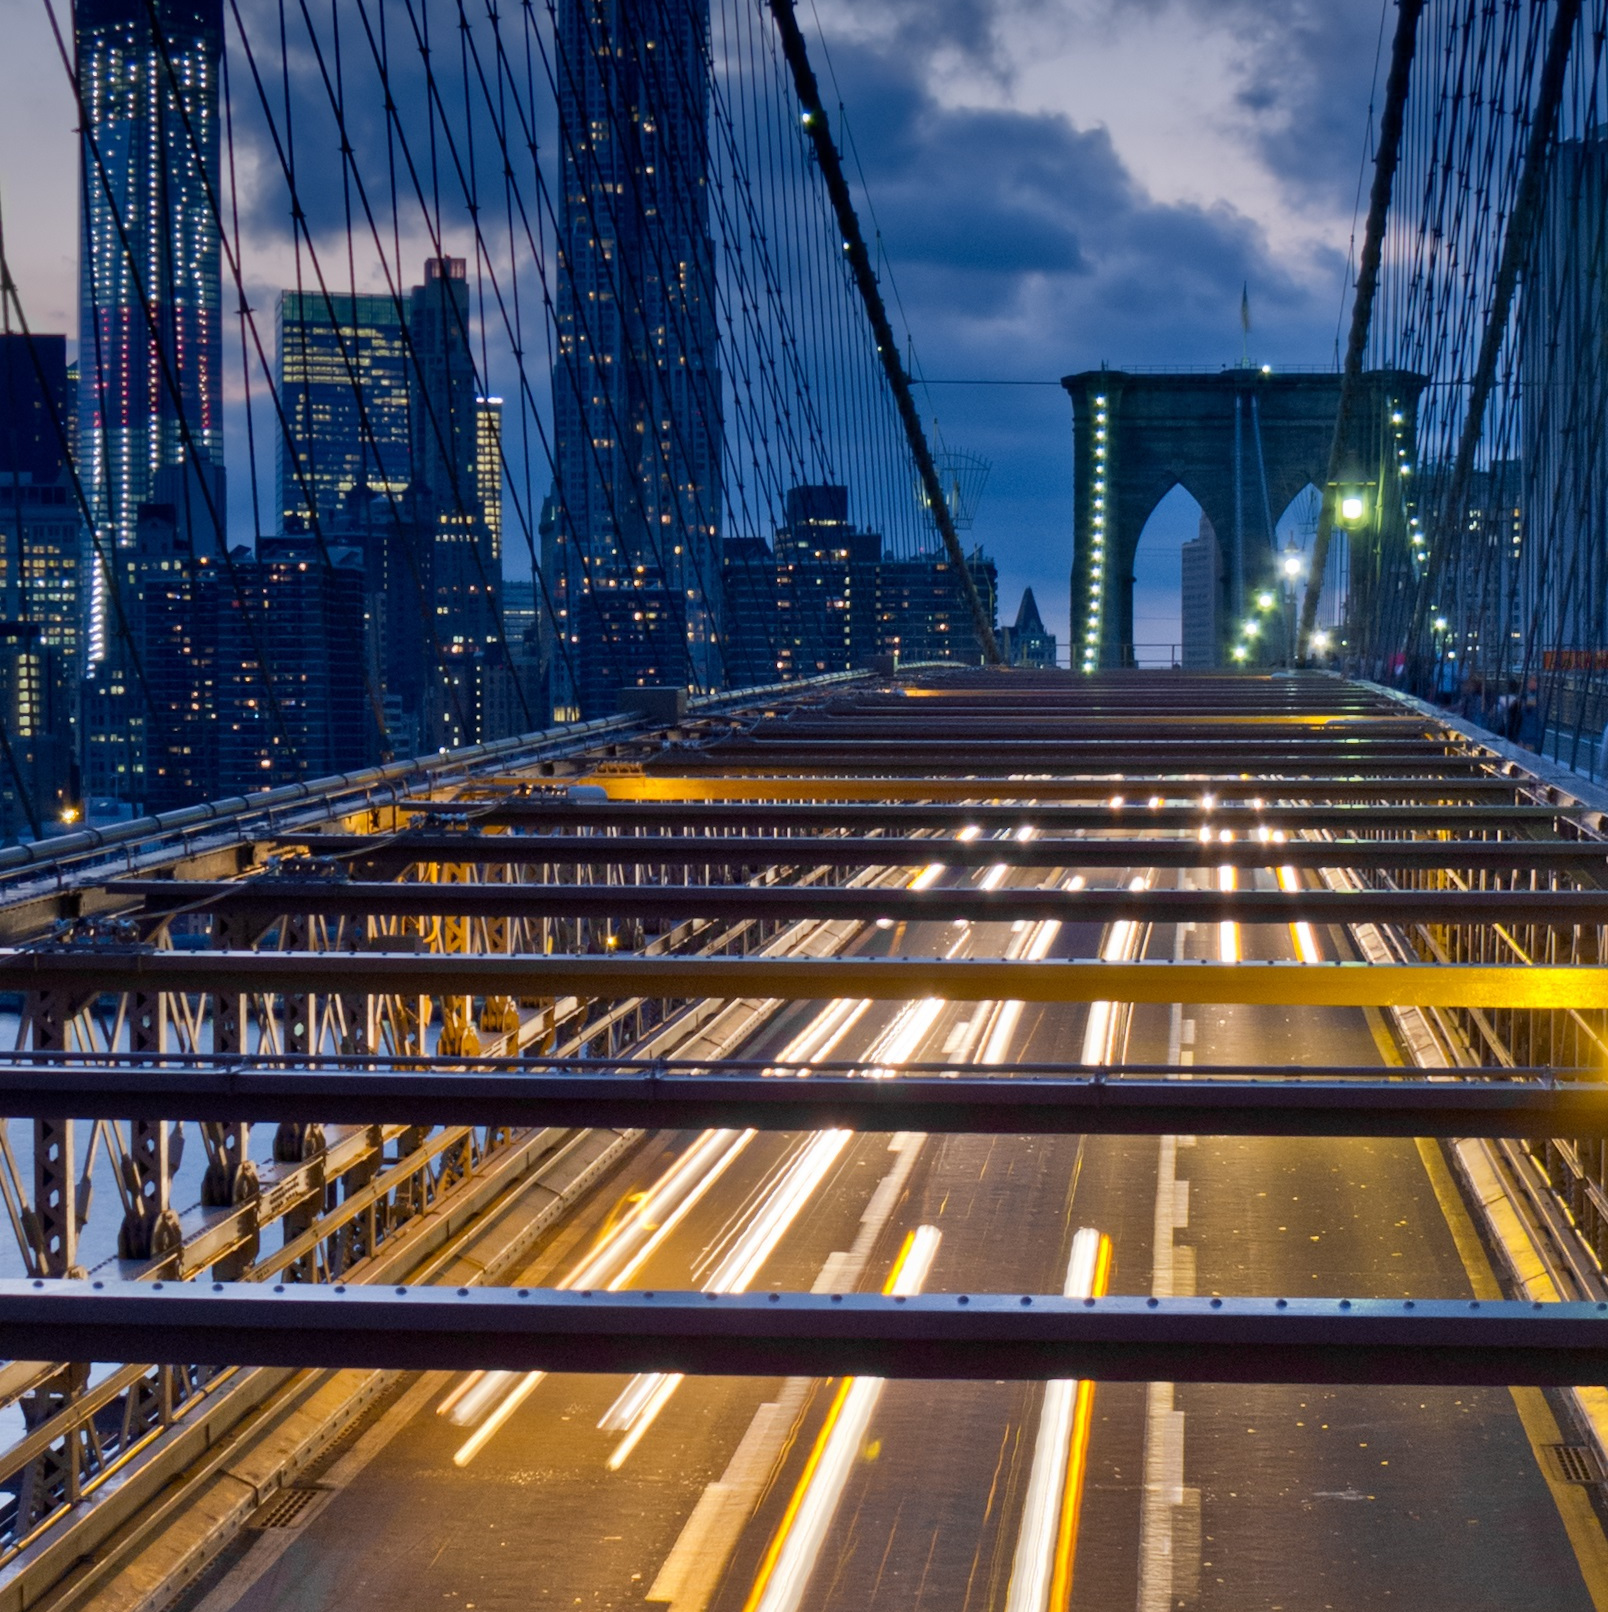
(627, 1244)
(822, 1035)
(639, 1404)
(788, 1564)
(1306, 946)
(1033, 943)
(1228, 939)
(1041, 1573)
(649, 1392)
(1106, 1019)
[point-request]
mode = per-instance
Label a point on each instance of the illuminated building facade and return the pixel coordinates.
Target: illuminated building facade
(343, 384)
(632, 551)
(489, 473)
(150, 338)
(42, 568)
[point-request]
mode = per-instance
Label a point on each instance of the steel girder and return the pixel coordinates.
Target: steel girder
(272, 898)
(810, 979)
(1502, 782)
(759, 850)
(989, 1337)
(1295, 1101)
(564, 812)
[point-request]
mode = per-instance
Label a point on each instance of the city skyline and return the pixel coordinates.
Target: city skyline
(1251, 193)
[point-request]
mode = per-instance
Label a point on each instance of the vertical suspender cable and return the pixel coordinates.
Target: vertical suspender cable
(1373, 240)
(1515, 252)
(826, 154)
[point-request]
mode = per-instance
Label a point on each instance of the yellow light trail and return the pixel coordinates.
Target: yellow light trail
(1306, 945)
(789, 1560)
(1041, 1572)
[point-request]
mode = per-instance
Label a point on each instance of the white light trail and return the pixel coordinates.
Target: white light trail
(1228, 941)
(1106, 1019)
(785, 1572)
(825, 1031)
(1306, 945)
(649, 1392)
(1043, 1563)
(496, 1395)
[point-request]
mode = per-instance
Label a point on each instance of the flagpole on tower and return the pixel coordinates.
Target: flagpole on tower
(1245, 325)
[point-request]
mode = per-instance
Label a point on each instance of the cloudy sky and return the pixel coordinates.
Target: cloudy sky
(1061, 183)
(1056, 183)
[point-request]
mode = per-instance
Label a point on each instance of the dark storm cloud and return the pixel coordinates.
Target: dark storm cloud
(1306, 69)
(1301, 69)
(1025, 237)
(1022, 246)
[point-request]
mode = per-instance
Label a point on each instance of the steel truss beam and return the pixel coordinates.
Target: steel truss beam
(812, 979)
(666, 784)
(1043, 1100)
(987, 1337)
(559, 812)
(770, 850)
(270, 898)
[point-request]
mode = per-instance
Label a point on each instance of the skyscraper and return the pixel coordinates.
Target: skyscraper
(489, 472)
(150, 337)
(42, 567)
(827, 573)
(446, 459)
(343, 383)
(633, 556)
(1202, 599)
(42, 559)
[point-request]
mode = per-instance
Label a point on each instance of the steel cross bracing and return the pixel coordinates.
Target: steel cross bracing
(429, 988)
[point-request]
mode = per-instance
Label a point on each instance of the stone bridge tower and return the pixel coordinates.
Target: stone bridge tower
(1243, 442)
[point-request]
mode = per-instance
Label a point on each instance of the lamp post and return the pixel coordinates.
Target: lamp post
(1292, 567)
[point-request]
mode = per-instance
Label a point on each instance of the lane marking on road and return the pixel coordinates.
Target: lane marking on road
(1165, 1502)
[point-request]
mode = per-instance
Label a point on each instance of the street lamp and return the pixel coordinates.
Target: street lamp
(1292, 567)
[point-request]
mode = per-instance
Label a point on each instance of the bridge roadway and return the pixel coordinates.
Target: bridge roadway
(740, 1495)
(1254, 1498)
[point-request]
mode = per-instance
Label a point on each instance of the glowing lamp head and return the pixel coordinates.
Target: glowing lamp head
(1292, 566)
(1352, 507)
(1264, 601)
